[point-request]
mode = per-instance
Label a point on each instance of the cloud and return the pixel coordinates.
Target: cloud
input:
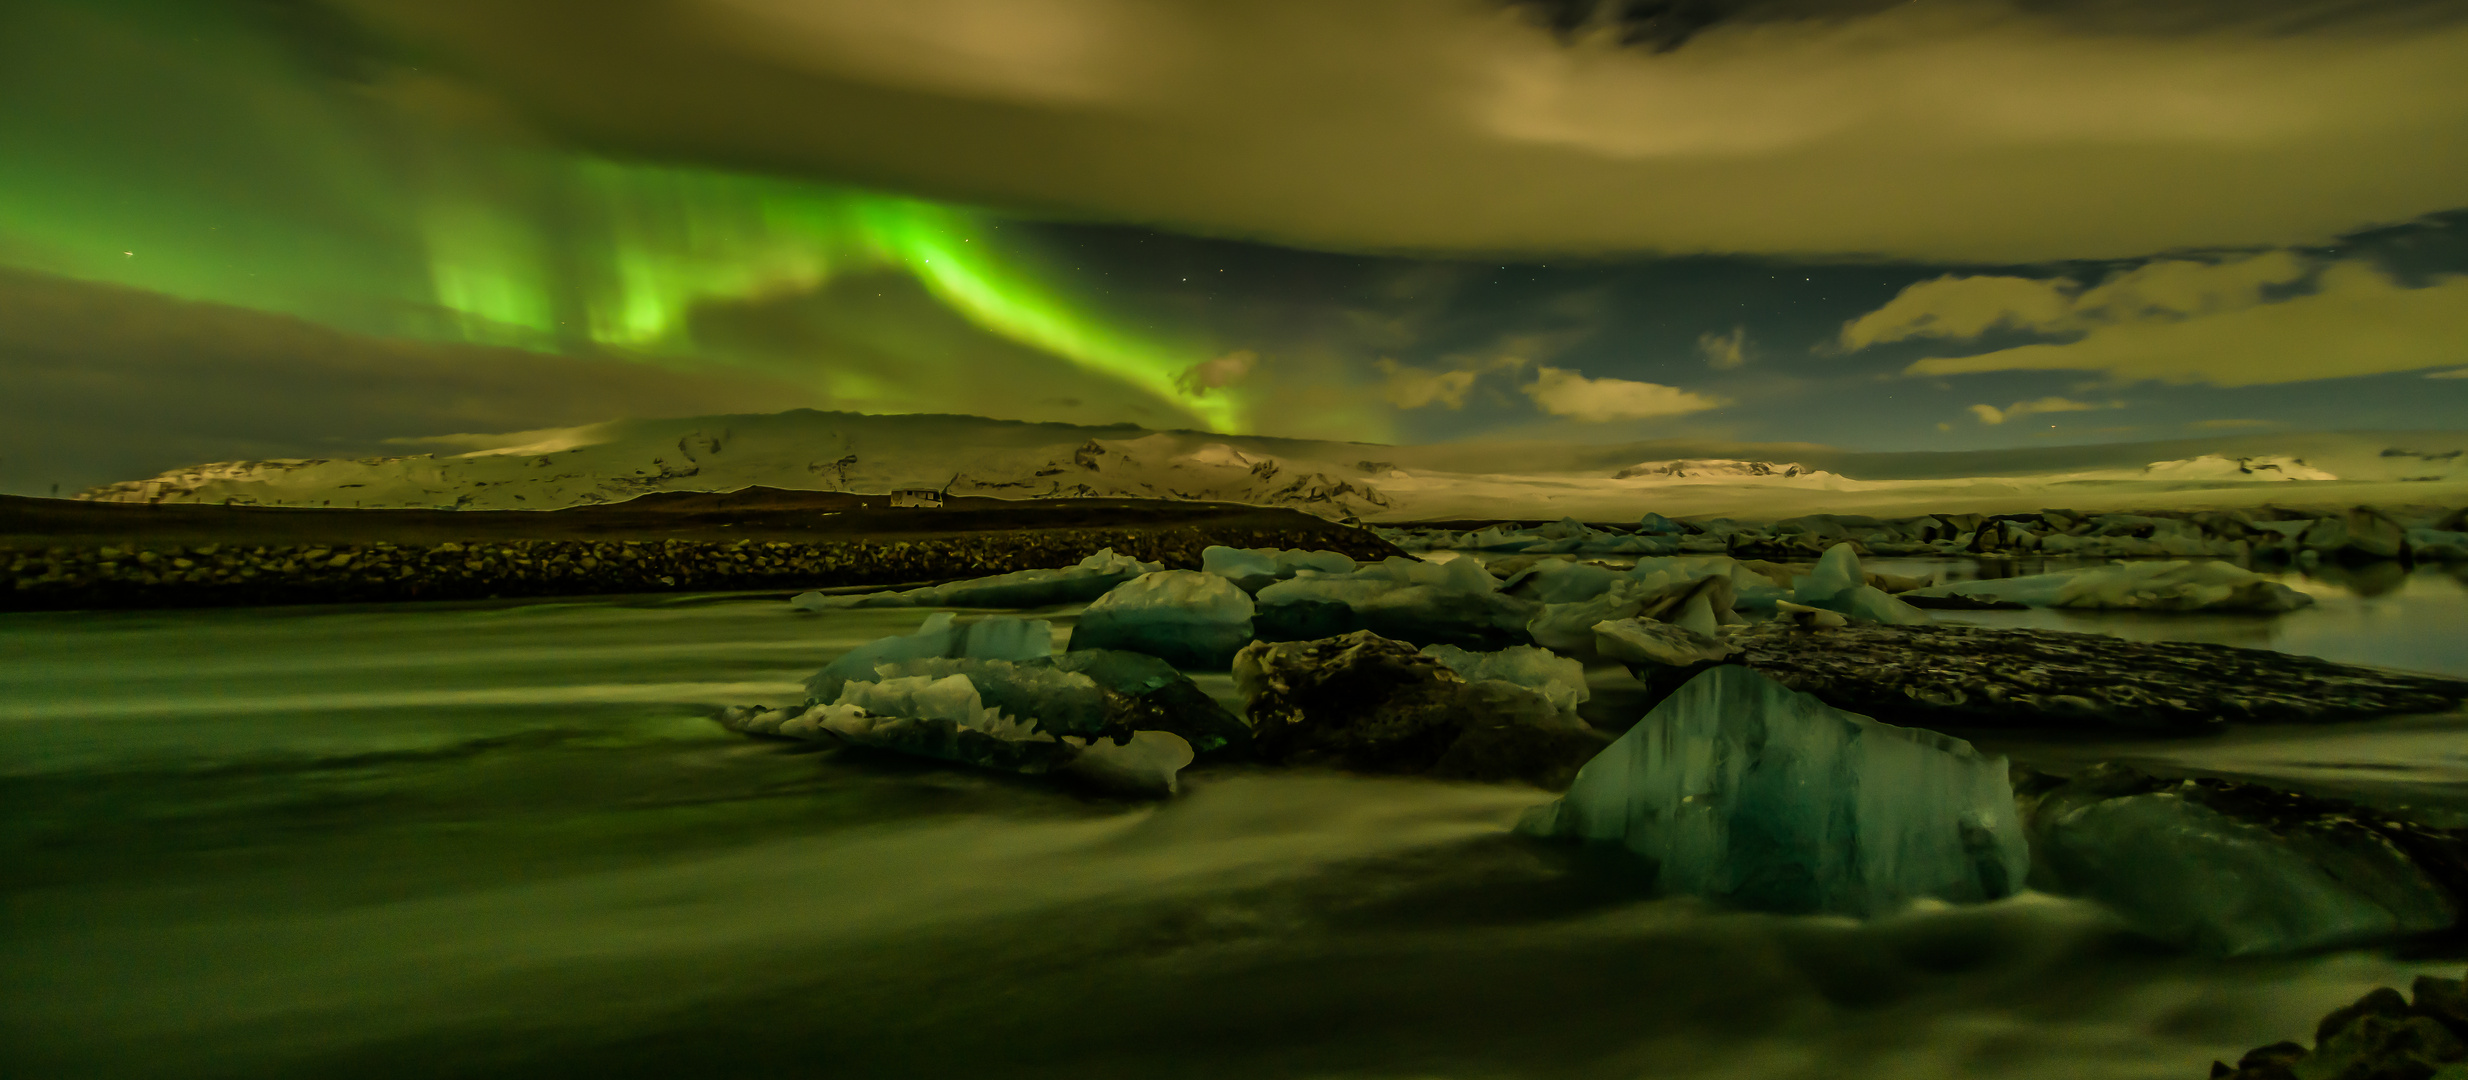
(2454, 373)
(1724, 351)
(1962, 130)
(1566, 393)
(1962, 308)
(1990, 414)
(1410, 387)
(1219, 373)
(2359, 321)
(2231, 424)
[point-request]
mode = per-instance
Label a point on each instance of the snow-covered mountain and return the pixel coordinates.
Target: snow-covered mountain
(965, 455)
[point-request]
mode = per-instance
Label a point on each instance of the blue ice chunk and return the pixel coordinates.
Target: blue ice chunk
(934, 637)
(1184, 617)
(1658, 525)
(1837, 572)
(1007, 639)
(1739, 789)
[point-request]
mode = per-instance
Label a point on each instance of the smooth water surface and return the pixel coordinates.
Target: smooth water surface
(506, 840)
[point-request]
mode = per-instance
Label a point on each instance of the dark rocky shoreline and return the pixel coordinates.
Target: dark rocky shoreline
(136, 557)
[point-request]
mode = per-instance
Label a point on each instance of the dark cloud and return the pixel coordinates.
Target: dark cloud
(1955, 129)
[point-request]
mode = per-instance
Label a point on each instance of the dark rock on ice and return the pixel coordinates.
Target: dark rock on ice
(2233, 868)
(2382, 1036)
(1369, 703)
(1959, 676)
(1144, 693)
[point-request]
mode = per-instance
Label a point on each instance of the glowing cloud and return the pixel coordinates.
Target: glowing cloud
(1990, 414)
(2358, 322)
(1724, 351)
(1561, 392)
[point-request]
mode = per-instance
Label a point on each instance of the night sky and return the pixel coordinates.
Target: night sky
(256, 228)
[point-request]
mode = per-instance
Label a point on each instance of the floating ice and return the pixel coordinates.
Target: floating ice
(1256, 568)
(1058, 702)
(1452, 603)
(1739, 789)
(1184, 617)
(1560, 680)
(2154, 586)
(1645, 641)
(1001, 638)
(1086, 580)
(1838, 584)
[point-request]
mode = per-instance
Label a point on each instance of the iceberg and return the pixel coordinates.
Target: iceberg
(943, 718)
(1253, 569)
(999, 638)
(1087, 580)
(1560, 680)
(1056, 701)
(2207, 585)
(1449, 603)
(1739, 789)
(1839, 585)
(1184, 617)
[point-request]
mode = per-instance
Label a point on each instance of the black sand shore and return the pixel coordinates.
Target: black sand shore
(65, 554)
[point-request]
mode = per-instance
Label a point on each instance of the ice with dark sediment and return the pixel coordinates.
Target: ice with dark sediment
(1738, 789)
(2203, 585)
(1185, 617)
(1702, 603)
(1560, 680)
(1647, 641)
(1083, 581)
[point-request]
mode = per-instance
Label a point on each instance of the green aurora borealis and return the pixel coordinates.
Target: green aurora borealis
(217, 163)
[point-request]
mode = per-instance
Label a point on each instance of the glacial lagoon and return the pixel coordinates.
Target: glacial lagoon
(507, 839)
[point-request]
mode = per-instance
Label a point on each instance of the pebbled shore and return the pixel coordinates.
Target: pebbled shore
(146, 575)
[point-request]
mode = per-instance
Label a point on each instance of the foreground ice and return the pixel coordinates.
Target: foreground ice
(1185, 617)
(2231, 869)
(2153, 586)
(1084, 581)
(1739, 789)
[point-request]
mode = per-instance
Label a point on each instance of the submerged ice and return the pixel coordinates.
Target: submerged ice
(1739, 789)
(2206, 585)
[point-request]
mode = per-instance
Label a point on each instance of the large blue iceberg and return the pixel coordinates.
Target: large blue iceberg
(1739, 789)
